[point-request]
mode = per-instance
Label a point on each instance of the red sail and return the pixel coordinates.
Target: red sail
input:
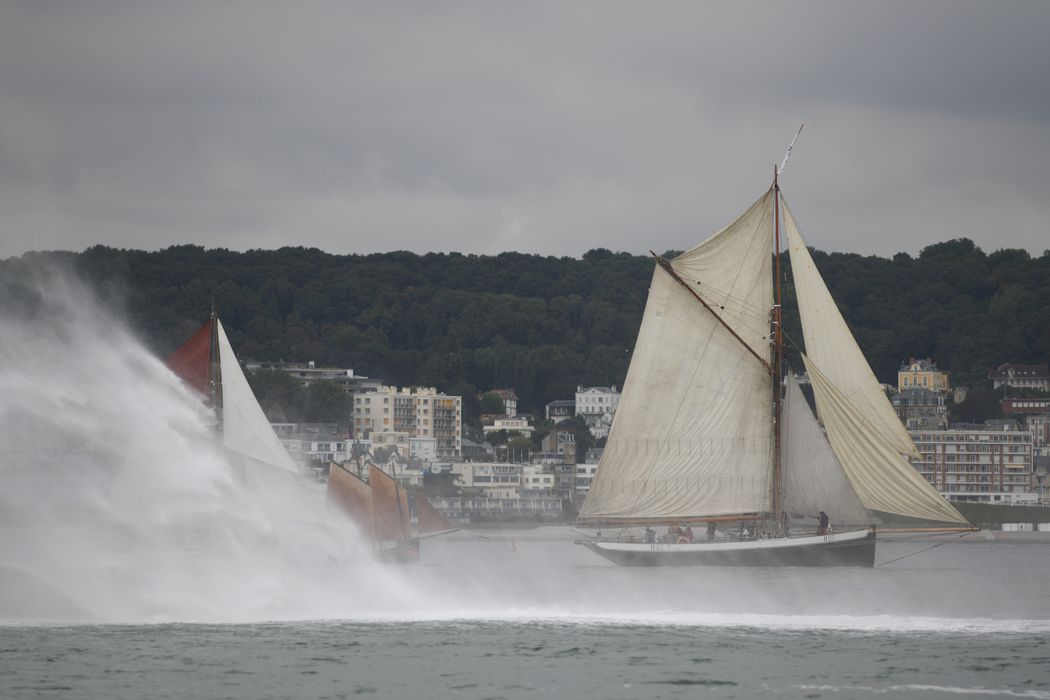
(191, 360)
(390, 505)
(351, 495)
(427, 516)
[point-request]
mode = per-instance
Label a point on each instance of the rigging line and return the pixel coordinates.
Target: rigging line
(932, 546)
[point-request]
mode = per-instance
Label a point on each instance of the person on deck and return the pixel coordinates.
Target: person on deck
(650, 536)
(688, 534)
(824, 522)
(711, 529)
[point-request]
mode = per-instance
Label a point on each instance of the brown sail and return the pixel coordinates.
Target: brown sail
(389, 505)
(190, 361)
(352, 496)
(428, 519)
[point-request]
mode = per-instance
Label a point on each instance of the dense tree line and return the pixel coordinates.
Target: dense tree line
(543, 325)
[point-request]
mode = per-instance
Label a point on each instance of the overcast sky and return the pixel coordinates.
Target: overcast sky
(531, 126)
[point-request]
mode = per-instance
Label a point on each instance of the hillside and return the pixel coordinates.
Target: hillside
(543, 325)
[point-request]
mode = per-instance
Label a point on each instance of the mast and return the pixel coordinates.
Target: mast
(778, 361)
(215, 370)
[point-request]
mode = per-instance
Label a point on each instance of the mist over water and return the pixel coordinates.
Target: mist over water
(117, 506)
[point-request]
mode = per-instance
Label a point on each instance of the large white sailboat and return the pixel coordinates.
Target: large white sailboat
(710, 430)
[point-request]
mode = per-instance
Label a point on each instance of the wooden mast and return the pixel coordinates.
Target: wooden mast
(778, 362)
(215, 369)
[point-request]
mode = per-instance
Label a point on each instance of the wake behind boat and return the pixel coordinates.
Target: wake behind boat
(711, 428)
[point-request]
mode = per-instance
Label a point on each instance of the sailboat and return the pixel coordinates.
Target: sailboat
(206, 363)
(711, 429)
(380, 509)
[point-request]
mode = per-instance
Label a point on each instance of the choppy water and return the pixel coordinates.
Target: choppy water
(524, 617)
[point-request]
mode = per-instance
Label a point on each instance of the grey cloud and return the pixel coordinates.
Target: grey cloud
(542, 127)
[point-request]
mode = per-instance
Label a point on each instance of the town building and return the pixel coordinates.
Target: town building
(561, 409)
(308, 373)
(561, 442)
(421, 412)
(501, 491)
(1021, 377)
(510, 401)
(597, 406)
(921, 374)
(984, 463)
(921, 409)
(584, 477)
(511, 425)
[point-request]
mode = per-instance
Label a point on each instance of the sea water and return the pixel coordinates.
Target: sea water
(529, 614)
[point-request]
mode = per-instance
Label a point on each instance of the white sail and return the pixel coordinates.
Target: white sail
(692, 433)
(883, 478)
(813, 478)
(831, 346)
(253, 447)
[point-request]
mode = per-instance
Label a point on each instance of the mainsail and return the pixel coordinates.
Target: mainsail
(390, 506)
(692, 430)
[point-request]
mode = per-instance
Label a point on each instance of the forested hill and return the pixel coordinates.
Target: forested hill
(544, 325)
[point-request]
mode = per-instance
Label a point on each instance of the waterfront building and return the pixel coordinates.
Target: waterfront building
(921, 374)
(421, 412)
(984, 463)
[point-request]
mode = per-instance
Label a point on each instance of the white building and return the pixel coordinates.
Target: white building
(421, 412)
(597, 405)
(511, 425)
(990, 463)
(584, 477)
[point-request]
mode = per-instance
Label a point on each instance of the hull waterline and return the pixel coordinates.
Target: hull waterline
(845, 549)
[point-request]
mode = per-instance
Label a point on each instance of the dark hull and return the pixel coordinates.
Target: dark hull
(826, 552)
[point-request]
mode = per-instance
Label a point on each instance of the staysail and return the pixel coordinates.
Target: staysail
(831, 346)
(692, 432)
(428, 518)
(813, 478)
(883, 478)
(869, 440)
